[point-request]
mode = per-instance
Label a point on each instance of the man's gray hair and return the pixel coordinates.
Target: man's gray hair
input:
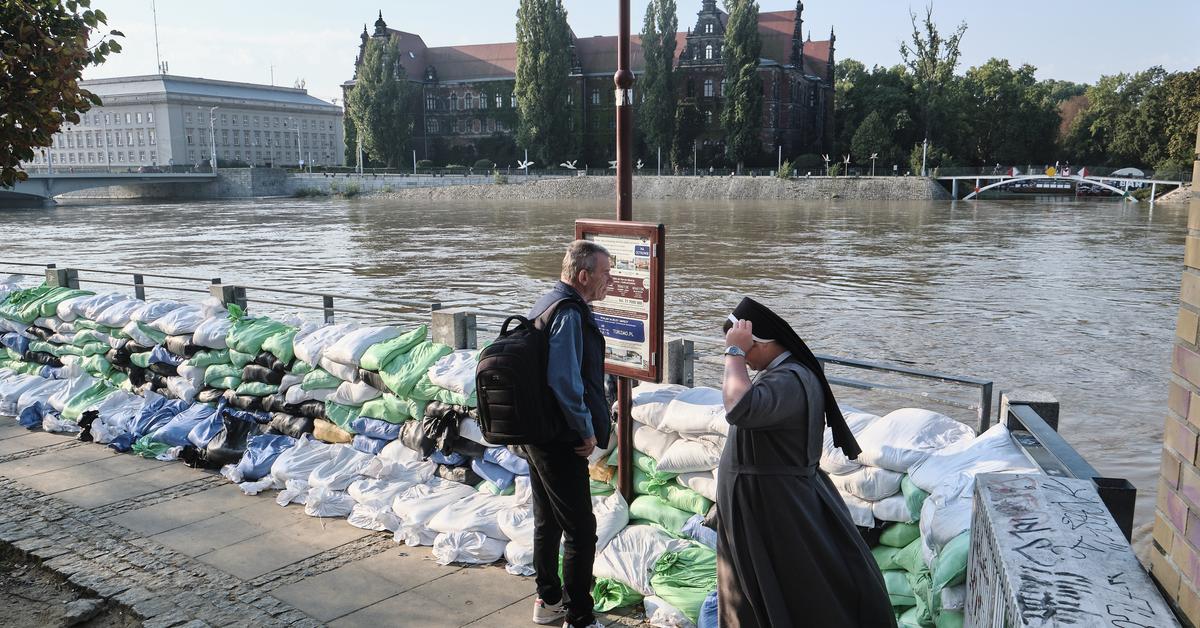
(581, 255)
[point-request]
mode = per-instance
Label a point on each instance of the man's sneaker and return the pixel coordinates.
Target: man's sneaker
(594, 624)
(546, 614)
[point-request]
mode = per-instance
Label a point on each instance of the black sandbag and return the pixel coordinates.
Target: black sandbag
(268, 360)
(164, 369)
(227, 447)
(243, 402)
(518, 451)
(259, 373)
(441, 431)
(182, 345)
(133, 347)
(155, 380)
(414, 439)
(119, 357)
(210, 395)
(374, 380)
(467, 447)
(288, 425)
(275, 403)
(462, 475)
(41, 357)
(311, 409)
(85, 425)
(440, 410)
(41, 332)
(710, 519)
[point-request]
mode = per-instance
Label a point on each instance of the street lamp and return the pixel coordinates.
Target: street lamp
(212, 136)
(299, 155)
(873, 157)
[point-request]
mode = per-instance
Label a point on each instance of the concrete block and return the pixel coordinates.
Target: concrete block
(259, 555)
(1185, 325)
(1189, 602)
(1179, 437)
(454, 327)
(1189, 490)
(1191, 252)
(405, 566)
(1186, 364)
(1189, 291)
(1165, 573)
(1162, 533)
(338, 592)
(1184, 557)
(1170, 469)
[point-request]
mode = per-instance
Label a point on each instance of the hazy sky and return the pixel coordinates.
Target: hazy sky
(240, 40)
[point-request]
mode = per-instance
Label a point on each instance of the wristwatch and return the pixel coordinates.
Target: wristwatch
(735, 350)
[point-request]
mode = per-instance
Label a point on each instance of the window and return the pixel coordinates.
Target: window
(430, 102)
(431, 126)
(150, 117)
(499, 101)
(107, 119)
(245, 120)
(255, 121)
(708, 51)
(724, 88)
(491, 126)
(708, 28)
(499, 125)
(483, 101)
(128, 119)
(139, 117)
(224, 119)
(187, 117)
(141, 138)
(453, 101)
(235, 122)
(514, 100)
(476, 127)
(469, 101)
(708, 117)
(708, 88)
(96, 119)
(595, 96)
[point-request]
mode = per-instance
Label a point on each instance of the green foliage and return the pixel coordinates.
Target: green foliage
(1011, 116)
(424, 164)
(872, 136)
(656, 115)
(44, 47)
(499, 178)
(689, 122)
(352, 189)
(543, 68)
(741, 115)
(484, 165)
(786, 170)
(381, 103)
(309, 193)
(931, 59)
(835, 169)
(936, 157)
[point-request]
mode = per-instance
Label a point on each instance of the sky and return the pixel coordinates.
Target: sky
(253, 40)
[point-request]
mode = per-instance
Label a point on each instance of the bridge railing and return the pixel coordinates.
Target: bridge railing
(1034, 169)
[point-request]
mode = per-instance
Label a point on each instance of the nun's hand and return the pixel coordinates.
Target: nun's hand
(740, 335)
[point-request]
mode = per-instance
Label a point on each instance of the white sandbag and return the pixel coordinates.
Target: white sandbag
(323, 502)
(89, 307)
(288, 381)
(48, 322)
(66, 310)
(12, 389)
(299, 461)
(377, 492)
(398, 463)
(954, 598)
(310, 347)
(184, 320)
(612, 515)
(476, 513)
(120, 313)
(994, 447)
(337, 473)
(631, 554)
(350, 348)
(40, 391)
(253, 488)
(517, 524)
(702, 482)
(355, 394)
(694, 411)
(193, 374)
(295, 491)
(420, 503)
(52, 423)
(375, 518)
(297, 395)
(652, 442)
(650, 402)
(135, 332)
(946, 513)
(869, 483)
(904, 437)
(660, 614)
(344, 372)
(686, 456)
(520, 559)
(894, 508)
(76, 385)
(860, 511)
(833, 461)
(182, 388)
(114, 415)
(456, 372)
(151, 311)
(472, 548)
(213, 332)
(469, 429)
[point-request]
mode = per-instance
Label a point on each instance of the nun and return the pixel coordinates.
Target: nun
(787, 552)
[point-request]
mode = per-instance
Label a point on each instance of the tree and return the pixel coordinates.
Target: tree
(381, 103)
(1012, 117)
(658, 114)
(689, 123)
(873, 136)
(931, 60)
(741, 114)
(543, 68)
(1182, 94)
(44, 47)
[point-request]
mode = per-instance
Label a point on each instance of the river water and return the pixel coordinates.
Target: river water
(1075, 297)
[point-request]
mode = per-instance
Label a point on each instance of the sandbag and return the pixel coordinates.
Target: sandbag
(296, 395)
(697, 531)
(705, 484)
(294, 426)
(323, 502)
(248, 334)
(661, 614)
(320, 379)
(684, 456)
(344, 372)
(354, 394)
(860, 510)
(310, 347)
(900, 593)
(950, 566)
(118, 314)
(350, 348)
(151, 311)
(392, 409)
(650, 402)
(505, 457)
(258, 373)
(869, 483)
(631, 555)
(612, 516)
(417, 505)
(183, 320)
(472, 548)
(914, 497)
(475, 513)
(684, 578)
(175, 432)
(609, 594)
(367, 444)
(905, 437)
(899, 534)
(517, 524)
(991, 451)
(455, 372)
(652, 442)
(833, 460)
(893, 508)
(653, 509)
(262, 451)
(403, 372)
(299, 461)
(213, 332)
(694, 411)
(340, 470)
(519, 559)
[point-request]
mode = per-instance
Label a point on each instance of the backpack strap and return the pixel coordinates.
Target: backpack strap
(542, 322)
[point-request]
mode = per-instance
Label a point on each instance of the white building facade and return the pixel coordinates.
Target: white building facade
(160, 121)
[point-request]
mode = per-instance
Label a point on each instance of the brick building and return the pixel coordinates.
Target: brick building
(467, 109)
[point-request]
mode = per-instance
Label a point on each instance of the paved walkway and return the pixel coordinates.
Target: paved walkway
(181, 546)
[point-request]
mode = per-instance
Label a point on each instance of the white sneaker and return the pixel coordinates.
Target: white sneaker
(546, 614)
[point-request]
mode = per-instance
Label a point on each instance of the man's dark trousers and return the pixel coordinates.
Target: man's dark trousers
(562, 509)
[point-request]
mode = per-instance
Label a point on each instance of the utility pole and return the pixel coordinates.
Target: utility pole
(157, 56)
(623, 80)
(924, 153)
(779, 160)
(212, 135)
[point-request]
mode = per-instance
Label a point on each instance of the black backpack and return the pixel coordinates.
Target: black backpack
(516, 405)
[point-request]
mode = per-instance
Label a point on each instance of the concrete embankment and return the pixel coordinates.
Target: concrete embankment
(694, 188)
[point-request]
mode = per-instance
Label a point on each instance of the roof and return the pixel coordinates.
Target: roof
(776, 28)
(473, 62)
(190, 86)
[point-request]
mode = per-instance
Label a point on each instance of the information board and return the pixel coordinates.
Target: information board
(631, 314)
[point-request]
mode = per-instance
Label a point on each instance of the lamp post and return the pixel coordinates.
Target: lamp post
(874, 156)
(924, 153)
(623, 80)
(299, 155)
(212, 137)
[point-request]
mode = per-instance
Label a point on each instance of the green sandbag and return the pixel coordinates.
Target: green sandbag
(402, 372)
(685, 498)
(884, 557)
(301, 368)
(379, 354)
(14, 355)
(909, 558)
(602, 489)
(491, 489)
(390, 408)
(899, 534)
(49, 304)
(685, 578)
(208, 358)
(86, 398)
(913, 496)
(88, 336)
(18, 301)
(645, 463)
(319, 379)
(147, 447)
(240, 359)
(157, 336)
(912, 618)
(427, 390)
(923, 592)
(899, 591)
(950, 566)
(27, 368)
(222, 372)
(341, 415)
(609, 594)
(643, 484)
(257, 389)
(657, 510)
(97, 365)
(247, 335)
(118, 379)
(281, 345)
(949, 619)
(141, 360)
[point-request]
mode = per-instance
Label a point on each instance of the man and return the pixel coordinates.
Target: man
(787, 552)
(562, 503)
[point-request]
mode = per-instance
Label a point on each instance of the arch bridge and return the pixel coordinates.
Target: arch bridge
(45, 186)
(983, 183)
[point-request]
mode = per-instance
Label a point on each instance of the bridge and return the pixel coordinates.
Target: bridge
(1118, 185)
(44, 187)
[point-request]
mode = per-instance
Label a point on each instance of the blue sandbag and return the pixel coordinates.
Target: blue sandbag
(452, 459)
(205, 431)
(51, 372)
(697, 531)
(709, 617)
(375, 428)
(261, 452)
(16, 342)
(494, 473)
(369, 445)
(159, 355)
(176, 431)
(122, 443)
(156, 413)
(507, 459)
(31, 417)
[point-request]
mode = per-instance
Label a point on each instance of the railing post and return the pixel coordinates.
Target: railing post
(681, 362)
(454, 327)
(62, 277)
(1044, 403)
(139, 287)
(327, 303)
(985, 407)
(228, 295)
